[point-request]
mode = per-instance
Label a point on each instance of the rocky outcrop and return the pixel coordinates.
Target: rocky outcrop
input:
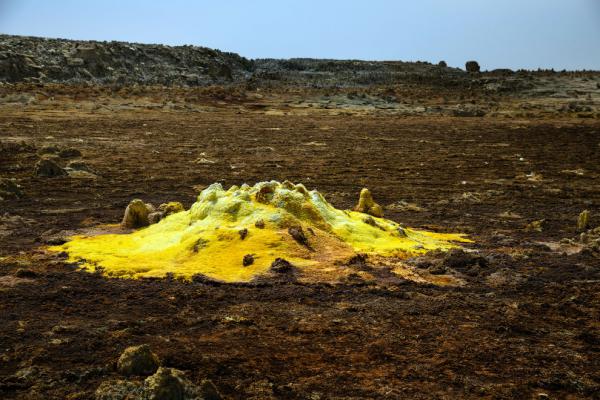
(31, 59)
(40, 60)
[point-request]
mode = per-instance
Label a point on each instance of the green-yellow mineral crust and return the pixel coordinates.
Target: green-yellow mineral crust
(223, 226)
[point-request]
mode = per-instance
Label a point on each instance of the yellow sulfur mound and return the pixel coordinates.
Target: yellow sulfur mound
(225, 229)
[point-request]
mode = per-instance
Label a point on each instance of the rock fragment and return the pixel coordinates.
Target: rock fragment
(297, 233)
(48, 168)
(248, 260)
(137, 360)
(136, 214)
(367, 205)
(281, 265)
(25, 273)
(9, 189)
(69, 153)
(535, 226)
(165, 384)
(243, 233)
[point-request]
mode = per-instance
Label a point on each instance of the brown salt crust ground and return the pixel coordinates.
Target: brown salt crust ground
(525, 324)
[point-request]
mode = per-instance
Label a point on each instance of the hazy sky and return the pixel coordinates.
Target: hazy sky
(499, 33)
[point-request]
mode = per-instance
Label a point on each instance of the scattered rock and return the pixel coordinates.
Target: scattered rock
(25, 273)
(464, 262)
(298, 234)
(78, 165)
(119, 390)
(209, 391)
(136, 214)
(367, 205)
(243, 233)
(50, 149)
(535, 226)
(281, 266)
(69, 153)
(9, 189)
(583, 221)
(472, 66)
(260, 224)
(248, 260)
(54, 237)
(165, 384)
(464, 111)
(137, 360)
(48, 168)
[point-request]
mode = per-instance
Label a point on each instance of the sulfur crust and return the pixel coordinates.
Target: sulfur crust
(205, 239)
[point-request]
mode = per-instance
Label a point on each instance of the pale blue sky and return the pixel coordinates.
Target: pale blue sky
(499, 33)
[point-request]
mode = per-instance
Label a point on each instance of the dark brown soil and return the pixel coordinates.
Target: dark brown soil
(525, 324)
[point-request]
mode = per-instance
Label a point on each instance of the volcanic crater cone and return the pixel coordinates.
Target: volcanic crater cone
(217, 236)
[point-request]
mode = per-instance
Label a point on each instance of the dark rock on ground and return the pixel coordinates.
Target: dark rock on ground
(298, 234)
(9, 189)
(137, 360)
(48, 168)
(248, 260)
(25, 273)
(281, 266)
(69, 153)
(465, 262)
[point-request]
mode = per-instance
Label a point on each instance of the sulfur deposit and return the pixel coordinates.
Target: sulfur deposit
(268, 223)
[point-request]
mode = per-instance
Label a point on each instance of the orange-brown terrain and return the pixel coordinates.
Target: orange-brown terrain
(525, 323)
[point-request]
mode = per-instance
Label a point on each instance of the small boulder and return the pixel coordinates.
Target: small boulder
(472, 67)
(367, 205)
(138, 360)
(69, 153)
(281, 266)
(80, 166)
(535, 226)
(48, 168)
(165, 384)
(461, 261)
(25, 273)
(136, 214)
(9, 189)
